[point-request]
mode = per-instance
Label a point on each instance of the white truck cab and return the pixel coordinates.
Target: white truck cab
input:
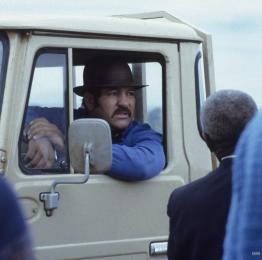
(79, 216)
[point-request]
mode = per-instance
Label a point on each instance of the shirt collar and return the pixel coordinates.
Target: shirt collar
(231, 156)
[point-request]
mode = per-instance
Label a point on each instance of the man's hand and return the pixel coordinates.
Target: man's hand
(40, 154)
(42, 128)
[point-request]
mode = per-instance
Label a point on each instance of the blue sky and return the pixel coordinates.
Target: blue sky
(236, 28)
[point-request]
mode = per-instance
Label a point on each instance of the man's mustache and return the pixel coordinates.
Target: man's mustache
(122, 110)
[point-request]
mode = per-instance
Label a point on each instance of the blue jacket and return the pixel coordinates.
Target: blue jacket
(244, 227)
(137, 154)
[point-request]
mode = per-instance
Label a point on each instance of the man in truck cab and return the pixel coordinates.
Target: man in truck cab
(109, 92)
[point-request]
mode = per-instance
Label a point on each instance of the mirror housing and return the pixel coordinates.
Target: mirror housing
(93, 136)
(90, 150)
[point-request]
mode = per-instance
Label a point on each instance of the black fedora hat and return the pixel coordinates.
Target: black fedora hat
(106, 74)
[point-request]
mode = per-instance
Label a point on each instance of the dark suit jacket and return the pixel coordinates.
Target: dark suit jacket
(198, 214)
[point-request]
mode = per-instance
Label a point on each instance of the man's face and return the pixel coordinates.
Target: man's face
(116, 106)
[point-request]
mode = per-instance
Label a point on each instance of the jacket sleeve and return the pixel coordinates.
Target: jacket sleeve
(141, 161)
(243, 238)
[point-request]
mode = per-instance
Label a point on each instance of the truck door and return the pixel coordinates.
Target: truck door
(103, 218)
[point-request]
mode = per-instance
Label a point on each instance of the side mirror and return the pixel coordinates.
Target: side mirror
(92, 136)
(90, 150)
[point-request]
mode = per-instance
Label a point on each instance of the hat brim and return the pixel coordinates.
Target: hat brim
(80, 90)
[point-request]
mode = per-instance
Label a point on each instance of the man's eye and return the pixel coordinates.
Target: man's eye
(131, 93)
(112, 93)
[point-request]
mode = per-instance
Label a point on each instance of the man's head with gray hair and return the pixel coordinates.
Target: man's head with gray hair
(223, 116)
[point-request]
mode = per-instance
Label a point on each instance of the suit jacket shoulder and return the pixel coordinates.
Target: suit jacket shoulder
(195, 193)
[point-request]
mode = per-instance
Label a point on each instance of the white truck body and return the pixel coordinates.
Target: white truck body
(105, 218)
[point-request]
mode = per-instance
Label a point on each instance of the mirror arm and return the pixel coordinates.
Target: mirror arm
(81, 181)
(50, 199)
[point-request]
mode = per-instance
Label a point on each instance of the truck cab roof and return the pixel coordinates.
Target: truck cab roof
(149, 25)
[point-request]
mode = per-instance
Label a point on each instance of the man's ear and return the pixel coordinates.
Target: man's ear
(89, 101)
(208, 141)
(204, 136)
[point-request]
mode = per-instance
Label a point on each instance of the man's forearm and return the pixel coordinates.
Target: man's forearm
(137, 163)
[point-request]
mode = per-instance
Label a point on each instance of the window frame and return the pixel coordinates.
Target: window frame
(144, 57)
(140, 57)
(198, 59)
(29, 171)
(6, 49)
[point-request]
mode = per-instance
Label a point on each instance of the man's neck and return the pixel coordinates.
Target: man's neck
(224, 153)
(118, 133)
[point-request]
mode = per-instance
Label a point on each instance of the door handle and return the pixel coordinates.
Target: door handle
(158, 248)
